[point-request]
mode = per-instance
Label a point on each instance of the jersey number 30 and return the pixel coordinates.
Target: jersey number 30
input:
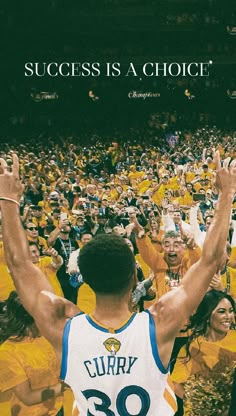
(104, 406)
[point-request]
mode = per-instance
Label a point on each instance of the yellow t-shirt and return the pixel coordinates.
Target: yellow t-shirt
(190, 176)
(174, 183)
(207, 375)
(114, 194)
(6, 282)
(145, 268)
(232, 259)
(40, 223)
(185, 200)
(229, 279)
(143, 186)
(159, 195)
(31, 359)
(45, 206)
(212, 165)
(134, 176)
(46, 267)
(208, 175)
(86, 300)
(5, 409)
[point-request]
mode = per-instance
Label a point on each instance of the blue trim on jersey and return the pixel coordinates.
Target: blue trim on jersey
(65, 341)
(153, 341)
(96, 325)
(116, 331)
(127, 324)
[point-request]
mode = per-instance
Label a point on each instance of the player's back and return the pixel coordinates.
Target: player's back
(116, 373)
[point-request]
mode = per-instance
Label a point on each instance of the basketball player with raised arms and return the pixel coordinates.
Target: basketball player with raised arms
(115, 361)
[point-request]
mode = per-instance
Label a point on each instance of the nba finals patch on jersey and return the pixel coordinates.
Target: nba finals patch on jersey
(112, 345)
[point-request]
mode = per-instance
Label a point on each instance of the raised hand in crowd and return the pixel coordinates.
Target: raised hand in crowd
(187, 237)
(216, 282)
(137, 227)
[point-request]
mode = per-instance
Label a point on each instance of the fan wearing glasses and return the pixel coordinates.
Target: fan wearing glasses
(33, 235)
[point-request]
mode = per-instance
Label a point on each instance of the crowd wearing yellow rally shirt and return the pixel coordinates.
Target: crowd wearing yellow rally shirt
(141, 191)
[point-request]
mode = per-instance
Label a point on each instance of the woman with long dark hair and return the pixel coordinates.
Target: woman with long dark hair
(204, 371)
(29, 370)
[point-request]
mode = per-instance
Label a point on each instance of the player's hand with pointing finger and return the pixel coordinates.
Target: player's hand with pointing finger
(11, 187)
(225, 180)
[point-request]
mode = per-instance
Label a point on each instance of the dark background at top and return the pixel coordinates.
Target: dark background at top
(113, 31)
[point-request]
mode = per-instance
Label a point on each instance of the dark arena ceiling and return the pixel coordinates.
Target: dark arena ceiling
(114, 32)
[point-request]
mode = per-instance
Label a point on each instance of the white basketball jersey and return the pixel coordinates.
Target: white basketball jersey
(116, 374)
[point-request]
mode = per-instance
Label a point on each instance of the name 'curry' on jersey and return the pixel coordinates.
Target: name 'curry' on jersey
(116, 373)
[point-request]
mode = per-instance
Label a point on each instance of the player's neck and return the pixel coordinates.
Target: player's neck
(112, 311)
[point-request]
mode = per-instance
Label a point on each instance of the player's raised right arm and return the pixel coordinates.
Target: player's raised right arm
(36, 294)
(175, 307)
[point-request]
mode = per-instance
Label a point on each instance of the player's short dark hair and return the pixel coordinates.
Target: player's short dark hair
(107, 264)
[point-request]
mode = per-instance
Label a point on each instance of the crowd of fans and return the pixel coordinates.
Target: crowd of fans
(159, 194)
(72, 189)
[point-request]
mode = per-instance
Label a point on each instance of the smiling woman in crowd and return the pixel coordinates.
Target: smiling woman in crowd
(204, 371)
